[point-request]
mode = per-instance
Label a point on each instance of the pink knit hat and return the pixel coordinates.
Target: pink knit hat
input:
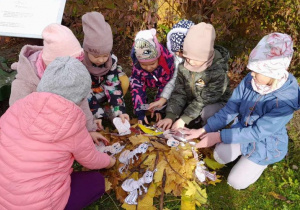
(98, 38)
(199, 42)
(60, 41)
(272, 55)
(146, 46)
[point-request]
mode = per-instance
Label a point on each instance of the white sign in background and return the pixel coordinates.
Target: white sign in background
(28, 18)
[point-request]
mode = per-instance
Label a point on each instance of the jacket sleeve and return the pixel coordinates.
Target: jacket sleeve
(265, 126)
(20, 89)
(178, 99)
(211, 94)
(168, 89)
(113, 92)
(90, 124)
(229, 111)
(138, 92)
(85, 151)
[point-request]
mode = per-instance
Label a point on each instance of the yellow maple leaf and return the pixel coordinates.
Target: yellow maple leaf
(138, 139)
(128, 207)
(159, 146)
(170, 187)
(200, 195)
(191, 189)
(178, 155)
(213, 164)
(216, 181)
(107, 185)
(149, 131)
(160, 170)
(145, 203)
(152, 189)
(187, 201)
(150, 160)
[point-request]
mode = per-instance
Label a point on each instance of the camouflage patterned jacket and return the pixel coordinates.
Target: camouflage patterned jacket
(195, 90)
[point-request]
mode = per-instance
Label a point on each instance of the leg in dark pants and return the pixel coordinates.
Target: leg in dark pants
(86, 187)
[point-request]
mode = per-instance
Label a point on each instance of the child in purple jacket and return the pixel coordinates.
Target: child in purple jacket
(153, 66)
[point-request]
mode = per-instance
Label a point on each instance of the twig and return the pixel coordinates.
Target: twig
(173, 168)
(156, 160)
(180, 174)
(163, 184)
(136, 168)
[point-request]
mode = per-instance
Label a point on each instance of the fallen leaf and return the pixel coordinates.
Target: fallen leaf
(159, 145)
(107, 185)
(277, 196)
(213, 164)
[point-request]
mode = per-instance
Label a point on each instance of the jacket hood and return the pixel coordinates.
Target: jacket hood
(48, 117)
(26, 64)
(221, 57)
(289, 93)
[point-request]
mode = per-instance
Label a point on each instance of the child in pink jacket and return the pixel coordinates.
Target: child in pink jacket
(33, 60)
(41, 135)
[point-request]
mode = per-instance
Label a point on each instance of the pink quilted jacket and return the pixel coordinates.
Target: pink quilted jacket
(40, 136)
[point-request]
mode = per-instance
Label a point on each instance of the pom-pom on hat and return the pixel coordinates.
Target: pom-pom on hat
(272, 55)
(60, 41)
(67, 77)
(98, 38)
(177, 34)
(146, 46)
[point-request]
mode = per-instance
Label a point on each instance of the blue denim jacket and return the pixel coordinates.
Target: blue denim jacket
(259, 120)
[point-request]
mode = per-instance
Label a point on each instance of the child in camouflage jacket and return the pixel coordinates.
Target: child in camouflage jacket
(202, 84)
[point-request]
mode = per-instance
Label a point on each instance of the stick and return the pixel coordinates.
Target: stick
(163, 184)
(136, 168)
(173, 168)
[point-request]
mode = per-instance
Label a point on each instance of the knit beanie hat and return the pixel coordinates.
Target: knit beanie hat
(98, 38)
(177, 34)
(199, 42)
(67, 77)
(199, 45)
(272, 55)
(146, 46)
(60, 41)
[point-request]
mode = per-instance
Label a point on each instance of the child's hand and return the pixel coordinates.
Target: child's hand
(193, 133)
(124, 117)
(157, 104)
(112, 162)
(165, 124)
(178, 124)
(99, 124)
(96, 136)
(209, 140)
(145, 119)
(157, 115)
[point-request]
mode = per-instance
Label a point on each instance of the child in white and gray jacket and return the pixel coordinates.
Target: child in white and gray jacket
(175, 39)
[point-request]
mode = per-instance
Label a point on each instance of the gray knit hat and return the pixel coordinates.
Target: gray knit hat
(67, 77)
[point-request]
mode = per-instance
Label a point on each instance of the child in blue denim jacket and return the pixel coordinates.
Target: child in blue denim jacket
(261, 106)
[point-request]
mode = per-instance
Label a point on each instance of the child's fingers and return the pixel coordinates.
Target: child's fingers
(152, 115)
(146, 120)
(158, 117)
